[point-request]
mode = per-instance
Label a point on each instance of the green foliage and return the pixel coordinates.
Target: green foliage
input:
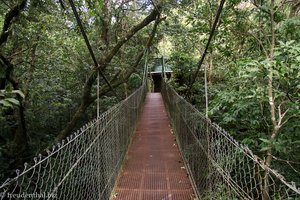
(7, 100)
(238, 66)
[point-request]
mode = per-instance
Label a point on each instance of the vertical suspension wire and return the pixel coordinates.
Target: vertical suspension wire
(98, 132)
(145, 75)
(206, 91)
(207, 133)
(98, 94)
(147, 70)
(163, 69)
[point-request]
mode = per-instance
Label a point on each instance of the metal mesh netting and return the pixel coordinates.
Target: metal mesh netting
(86, 164)
(219, 166)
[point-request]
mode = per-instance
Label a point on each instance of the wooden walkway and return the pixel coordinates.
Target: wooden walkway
(153, 168)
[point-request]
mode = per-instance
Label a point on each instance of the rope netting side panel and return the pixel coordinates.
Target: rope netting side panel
(86, 164)
(219, 166)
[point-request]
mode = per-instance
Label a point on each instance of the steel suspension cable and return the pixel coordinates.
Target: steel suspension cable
(218, 14)
(89, 45)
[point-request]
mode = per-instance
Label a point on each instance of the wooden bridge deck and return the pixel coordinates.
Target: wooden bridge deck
(153, 167)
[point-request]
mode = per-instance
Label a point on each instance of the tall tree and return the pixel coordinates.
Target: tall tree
(20, 141)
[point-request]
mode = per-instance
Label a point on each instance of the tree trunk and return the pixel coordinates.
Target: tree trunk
(104, 21)
(10, 15)
(20, 141)
(19, 144)
(275, 127)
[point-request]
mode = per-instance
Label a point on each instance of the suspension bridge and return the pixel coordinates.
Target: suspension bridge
(149, 146)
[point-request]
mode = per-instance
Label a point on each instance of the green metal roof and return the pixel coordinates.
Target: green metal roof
(157, 67)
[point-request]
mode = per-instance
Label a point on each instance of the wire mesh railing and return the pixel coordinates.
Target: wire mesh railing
(220, 167)
(86, 164)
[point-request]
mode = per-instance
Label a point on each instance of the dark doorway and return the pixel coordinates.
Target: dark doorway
(157, 82)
